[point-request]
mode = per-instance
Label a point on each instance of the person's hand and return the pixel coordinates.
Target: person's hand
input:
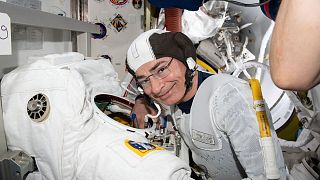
(140, 109)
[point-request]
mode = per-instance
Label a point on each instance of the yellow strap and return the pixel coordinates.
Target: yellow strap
(260, 109)
(205, 66)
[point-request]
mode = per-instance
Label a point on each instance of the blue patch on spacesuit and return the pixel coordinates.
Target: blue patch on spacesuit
(141, 148)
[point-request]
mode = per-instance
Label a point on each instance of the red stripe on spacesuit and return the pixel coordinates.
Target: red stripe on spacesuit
(266, 8)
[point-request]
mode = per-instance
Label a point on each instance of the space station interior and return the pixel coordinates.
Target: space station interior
(66, 98)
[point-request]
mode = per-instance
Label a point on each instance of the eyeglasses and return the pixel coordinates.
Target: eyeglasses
(159, 73)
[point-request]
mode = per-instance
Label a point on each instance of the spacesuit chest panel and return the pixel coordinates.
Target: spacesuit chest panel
(202, 127)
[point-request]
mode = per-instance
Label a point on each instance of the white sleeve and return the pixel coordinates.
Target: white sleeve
(234, 115)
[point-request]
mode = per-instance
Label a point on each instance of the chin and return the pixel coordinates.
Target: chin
(170, 101)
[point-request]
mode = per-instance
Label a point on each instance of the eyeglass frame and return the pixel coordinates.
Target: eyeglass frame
(166, 67)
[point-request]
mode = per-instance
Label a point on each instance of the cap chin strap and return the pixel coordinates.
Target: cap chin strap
(190, 71)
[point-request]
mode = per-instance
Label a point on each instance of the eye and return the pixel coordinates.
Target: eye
(160, 70)
(145, 81)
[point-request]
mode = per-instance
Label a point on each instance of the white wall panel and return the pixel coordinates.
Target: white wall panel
(115, 43)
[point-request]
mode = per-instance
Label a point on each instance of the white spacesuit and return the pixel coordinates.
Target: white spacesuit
(49, 114)
(222, 125)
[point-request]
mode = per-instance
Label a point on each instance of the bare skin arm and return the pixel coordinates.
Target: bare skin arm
(295, 45)
(141, 108)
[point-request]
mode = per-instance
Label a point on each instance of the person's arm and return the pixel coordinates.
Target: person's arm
(295, 45)
(141, 108)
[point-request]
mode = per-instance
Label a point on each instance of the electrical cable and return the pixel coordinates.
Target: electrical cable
(262, 2)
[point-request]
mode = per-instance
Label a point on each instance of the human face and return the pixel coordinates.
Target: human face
(161, 71)
(169, 89)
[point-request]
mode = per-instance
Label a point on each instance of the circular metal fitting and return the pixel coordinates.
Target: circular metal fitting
(38, 107)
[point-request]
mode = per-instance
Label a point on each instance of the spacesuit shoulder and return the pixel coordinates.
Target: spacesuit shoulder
(131, 158)
(215, 90)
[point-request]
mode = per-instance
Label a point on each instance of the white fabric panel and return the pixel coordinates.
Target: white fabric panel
(98, 75)
(59, 59)
(198, 25)
(104, 156)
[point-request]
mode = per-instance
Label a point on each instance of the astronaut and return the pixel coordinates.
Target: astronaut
(214, 114)
(49, 113)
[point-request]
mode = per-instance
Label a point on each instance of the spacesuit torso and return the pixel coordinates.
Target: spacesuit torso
(222, 131)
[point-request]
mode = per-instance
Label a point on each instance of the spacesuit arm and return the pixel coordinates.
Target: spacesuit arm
(295, 46)
(234, 115)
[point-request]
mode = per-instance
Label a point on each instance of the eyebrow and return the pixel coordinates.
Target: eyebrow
(152, 69)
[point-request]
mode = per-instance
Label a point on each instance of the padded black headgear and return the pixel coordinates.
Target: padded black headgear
(155, 44)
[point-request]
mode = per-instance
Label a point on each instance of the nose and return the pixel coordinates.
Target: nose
(156, 85)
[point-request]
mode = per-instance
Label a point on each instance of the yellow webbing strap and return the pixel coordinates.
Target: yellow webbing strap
(205, 66)
(266, 141)
(259, 106)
